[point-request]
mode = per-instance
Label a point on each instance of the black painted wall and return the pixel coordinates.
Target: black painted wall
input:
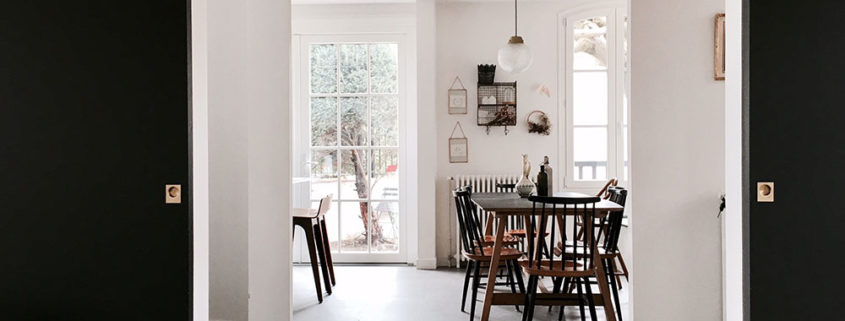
(94, 121)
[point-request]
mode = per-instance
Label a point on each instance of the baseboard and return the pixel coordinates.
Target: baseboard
(426, 264)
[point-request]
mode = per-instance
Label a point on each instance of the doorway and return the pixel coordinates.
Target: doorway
(349, 143)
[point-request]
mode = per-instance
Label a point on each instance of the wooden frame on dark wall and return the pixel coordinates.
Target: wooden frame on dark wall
(719, 48)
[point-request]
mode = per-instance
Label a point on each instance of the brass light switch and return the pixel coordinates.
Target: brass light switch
(173, 194)
(765, 192)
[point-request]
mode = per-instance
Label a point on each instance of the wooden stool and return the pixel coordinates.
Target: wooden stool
(314, 224)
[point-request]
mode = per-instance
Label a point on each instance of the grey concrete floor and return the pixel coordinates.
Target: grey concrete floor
(390, 293)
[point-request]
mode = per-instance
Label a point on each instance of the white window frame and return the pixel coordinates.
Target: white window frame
(616, 13)
(302, 129)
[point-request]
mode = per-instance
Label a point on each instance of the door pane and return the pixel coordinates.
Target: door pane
(384, 113)
(353, 68)
(590, 149)
(323, 121)
(589, 92)
(353, 234)
(590, 45)
(386, 227)
(354, 182)
(323, 173)
(385, 176)
(323, 69)
(353, 121)
(384, 68)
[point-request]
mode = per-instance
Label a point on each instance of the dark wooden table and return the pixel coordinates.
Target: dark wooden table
(499, 207)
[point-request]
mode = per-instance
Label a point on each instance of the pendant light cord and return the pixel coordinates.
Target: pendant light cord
(515, 19)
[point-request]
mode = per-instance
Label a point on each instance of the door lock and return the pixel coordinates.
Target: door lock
(173, 194)
(765, 192)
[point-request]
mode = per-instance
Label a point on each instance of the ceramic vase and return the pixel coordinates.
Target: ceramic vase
(525, 186)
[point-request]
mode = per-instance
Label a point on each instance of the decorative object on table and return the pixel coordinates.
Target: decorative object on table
(719, 55)
(515, 57)
(544, 90)
(524, 187)
(458, 146)
(486, 74)
(542, 182)
(550, 175)
(538, 122)
(497, 105)
(457, 98)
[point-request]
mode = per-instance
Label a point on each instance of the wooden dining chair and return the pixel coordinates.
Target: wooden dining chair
(607, 239)
(479, 251)
(576, 269)
(313, 222)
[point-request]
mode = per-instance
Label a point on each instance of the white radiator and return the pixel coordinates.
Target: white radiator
(480, 184)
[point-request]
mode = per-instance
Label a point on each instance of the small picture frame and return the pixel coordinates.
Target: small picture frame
(719, 46)
(458, 150)
(457, 101)
(458, 146)
(457, 98)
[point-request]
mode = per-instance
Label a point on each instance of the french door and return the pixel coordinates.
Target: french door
(349, 105)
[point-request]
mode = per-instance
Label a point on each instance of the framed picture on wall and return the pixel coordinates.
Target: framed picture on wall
(719, 54)
(458, 146)
(457, 98)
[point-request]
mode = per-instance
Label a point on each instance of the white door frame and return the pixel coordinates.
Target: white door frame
(733, 298)
(301, 132)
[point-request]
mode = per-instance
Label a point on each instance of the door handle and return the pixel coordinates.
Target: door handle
(173, 194)
(765, 192)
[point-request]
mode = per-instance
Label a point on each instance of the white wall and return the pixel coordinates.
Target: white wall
(248, 47)
(426, 149)
(228, 159)
(677, 137)
(469, 34)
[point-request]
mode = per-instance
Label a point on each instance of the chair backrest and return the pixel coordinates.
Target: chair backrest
(603, 192)
(471, 236)
(546, 209)
(613, 220)
(325, 205)
(505, 187)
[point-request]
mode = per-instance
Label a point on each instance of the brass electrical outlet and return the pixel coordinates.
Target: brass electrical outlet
(173, 194)
(765, 192)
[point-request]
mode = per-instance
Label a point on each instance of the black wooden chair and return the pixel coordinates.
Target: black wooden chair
(314, 224)
(478, 251)
(572, 268)
(607, 232)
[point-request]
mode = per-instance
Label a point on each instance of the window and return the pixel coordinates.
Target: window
(596, 115)
(353, 101)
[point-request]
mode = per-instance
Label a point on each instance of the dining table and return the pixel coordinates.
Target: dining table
(501, 206)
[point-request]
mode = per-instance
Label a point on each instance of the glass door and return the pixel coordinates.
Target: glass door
(354, 101)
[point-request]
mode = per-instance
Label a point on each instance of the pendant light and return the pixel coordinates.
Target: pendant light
(515, 57)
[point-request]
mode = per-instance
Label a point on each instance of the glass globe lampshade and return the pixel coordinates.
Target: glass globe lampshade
(515, 57)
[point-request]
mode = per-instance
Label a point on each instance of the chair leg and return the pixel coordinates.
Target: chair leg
(519, 280)
(530, 298)
(580, 299)
(466, 285)
(476, 278)
(318, 239)
(511, 281)
(615, 293)
(328, 248)
(312, 252)
(622, 264)
(590, 300)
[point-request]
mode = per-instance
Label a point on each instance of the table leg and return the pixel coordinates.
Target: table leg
(494, 266)
(601, 277)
